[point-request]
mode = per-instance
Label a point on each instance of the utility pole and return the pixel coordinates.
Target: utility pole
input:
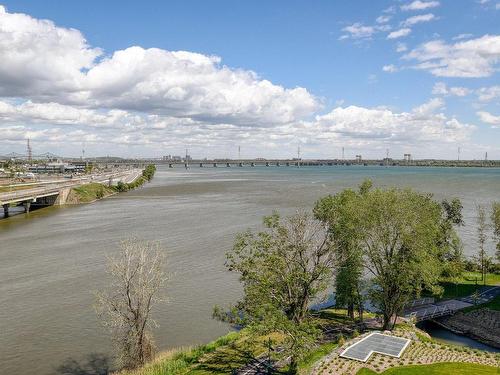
(239, 152)
(342, 153)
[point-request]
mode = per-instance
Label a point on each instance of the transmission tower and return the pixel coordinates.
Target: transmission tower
(29, 152)
(458, 154)
(342, 153)
(298, 152)
(239, 152)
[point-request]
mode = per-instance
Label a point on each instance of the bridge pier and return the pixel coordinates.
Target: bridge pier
(5, 210)
(240, 164)
(170, 165)
(201, 165)
(215, 165)
(27, 206)
(252, 164)
(267, 164)
(228, 165)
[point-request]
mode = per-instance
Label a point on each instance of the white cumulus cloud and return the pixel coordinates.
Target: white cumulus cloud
(488, 118)
(391, 68)
(358, 31)
(44, 62)
(440, 88)
(420, 5)
(399, 33)
(424, 124)
(468, 59)
(418, 19)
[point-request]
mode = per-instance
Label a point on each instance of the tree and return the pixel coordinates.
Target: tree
(398, 236)
(401, 232)
(452, 258)
(482, 258)
(495, 219)
(137, 279)
(282, 269)
(338, 212)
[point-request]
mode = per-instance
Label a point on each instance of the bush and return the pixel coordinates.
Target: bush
(341, 340)
(99, 194)
(121, 186)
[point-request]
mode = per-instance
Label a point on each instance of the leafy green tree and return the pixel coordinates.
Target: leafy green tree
(495, 218)
(338, 212)
(452, 258)
(401, 232)
(453, 211)
(482, 258)
(398, 237)
(283, 270)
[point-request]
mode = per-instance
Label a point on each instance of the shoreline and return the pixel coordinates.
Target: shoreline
(93, 191)
(474, 325)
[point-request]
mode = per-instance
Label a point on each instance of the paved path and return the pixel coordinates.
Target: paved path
(447, 307)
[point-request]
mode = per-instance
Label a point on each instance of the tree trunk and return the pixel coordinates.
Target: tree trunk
(293, 366)
(350, 310)
(387, 322)
(395, 320)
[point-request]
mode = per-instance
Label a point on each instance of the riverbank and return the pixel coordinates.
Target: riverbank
(94, 191)
(482, 325)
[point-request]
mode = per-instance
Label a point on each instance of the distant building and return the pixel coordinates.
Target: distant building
(171, 158)
(57, 167)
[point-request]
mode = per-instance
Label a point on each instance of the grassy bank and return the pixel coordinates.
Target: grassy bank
(494, 304)
(94, 191)
(147, 175)
(468, 284)
(234, 351)
(222, 356)
(89, 193)
(437, 369)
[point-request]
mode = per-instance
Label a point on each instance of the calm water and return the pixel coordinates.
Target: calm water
(52, 260)
(441, 334)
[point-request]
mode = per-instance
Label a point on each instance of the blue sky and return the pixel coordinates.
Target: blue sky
(341, 53)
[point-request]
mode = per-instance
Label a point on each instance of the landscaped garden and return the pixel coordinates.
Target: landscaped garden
(421, 351)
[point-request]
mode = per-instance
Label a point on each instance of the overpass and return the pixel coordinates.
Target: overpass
(56, 192)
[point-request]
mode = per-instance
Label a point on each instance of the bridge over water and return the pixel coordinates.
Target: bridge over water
(427, 308)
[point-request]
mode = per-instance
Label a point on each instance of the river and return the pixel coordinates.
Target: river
(53, 259)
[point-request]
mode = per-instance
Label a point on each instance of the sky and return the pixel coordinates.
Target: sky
(153, 78)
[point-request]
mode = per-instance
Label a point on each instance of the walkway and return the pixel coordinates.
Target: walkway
(430, 309)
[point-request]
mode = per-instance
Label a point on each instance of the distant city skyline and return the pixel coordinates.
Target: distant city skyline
(256, 79)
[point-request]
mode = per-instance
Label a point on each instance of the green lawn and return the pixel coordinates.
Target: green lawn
(467, 285)
(90, 192)
(437, 369)
(493, 305)
(233, 351)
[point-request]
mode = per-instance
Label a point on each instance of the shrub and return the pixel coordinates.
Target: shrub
(341, 340)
